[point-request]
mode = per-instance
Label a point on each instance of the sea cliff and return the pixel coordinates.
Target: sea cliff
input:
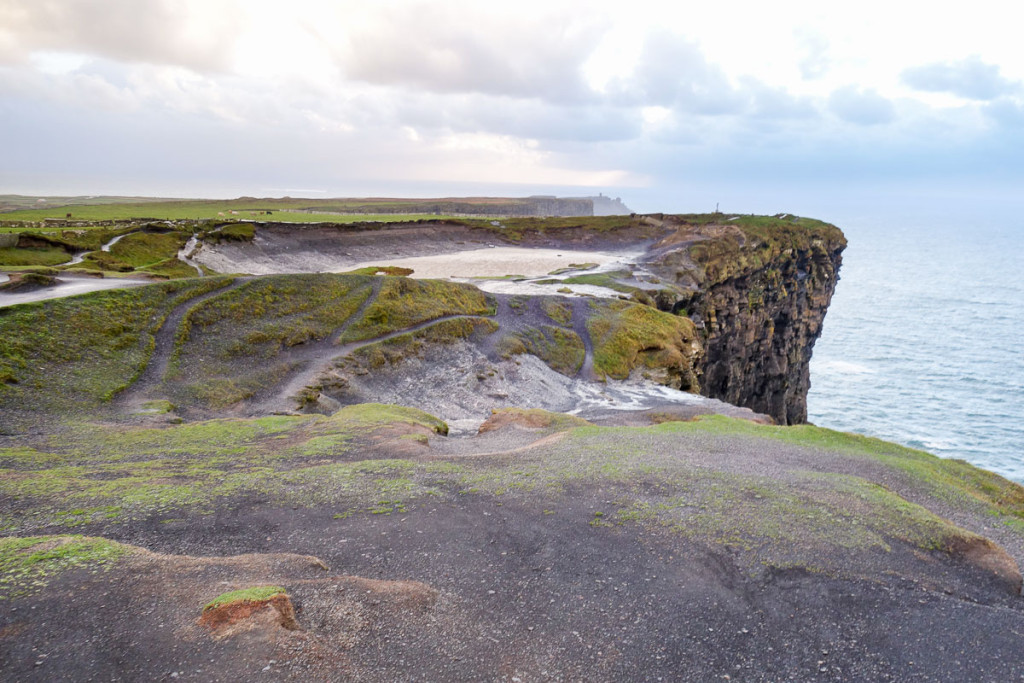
(759, 290)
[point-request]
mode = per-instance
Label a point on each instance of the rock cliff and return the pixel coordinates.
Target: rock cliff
(759, 288)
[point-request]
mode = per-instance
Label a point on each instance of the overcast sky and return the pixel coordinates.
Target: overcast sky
(673, 106)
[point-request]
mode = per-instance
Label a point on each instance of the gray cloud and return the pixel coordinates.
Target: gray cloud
(863, 107)
(1006, 111)
(462, 49)
(157, 31)
(530, 118)
(673, 72)
(777, 103)
(970, 78)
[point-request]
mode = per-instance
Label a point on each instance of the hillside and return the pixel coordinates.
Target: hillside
(366, 476)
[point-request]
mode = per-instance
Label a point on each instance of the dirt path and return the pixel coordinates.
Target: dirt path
(579, 326)
(318, 359)
(163, 347)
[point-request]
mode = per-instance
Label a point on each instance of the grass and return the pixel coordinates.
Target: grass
(559, 310)
(241, 334)
(627, 336)
(71, 355)
(606, 280)
(561, 349)
(280, 210)
(765, 238)
(254, 594)
(664, 477)
(27, 565)
(36, 256)
(402, 347)
(143, 249)
(403, 303)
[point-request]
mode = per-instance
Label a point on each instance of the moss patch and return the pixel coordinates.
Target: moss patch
(73, 354)
(403, 303)
(561, 349)
(27, 565)
(627, 336)
(254, 594)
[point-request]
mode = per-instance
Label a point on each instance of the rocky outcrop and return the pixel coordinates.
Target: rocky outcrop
(759, 289)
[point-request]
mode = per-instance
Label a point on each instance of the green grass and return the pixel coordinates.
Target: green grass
(665, 477)
(559, 310)
(561, 349)
(765, 238)
(254, 594)
(73, 354)
(38, 256)
(606, 280)
(627, 336)
(27, 565)
(238, 232)
(413, 344)
(241, 333)
(146, 249)
(281, 210)
(404, 302)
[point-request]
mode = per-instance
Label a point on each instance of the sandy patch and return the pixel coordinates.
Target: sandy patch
(492, 262)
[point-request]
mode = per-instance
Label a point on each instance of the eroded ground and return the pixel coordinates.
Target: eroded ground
(542, 549)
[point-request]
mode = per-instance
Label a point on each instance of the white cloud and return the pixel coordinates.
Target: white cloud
(861, 106)
(969, 78)
(543, 92)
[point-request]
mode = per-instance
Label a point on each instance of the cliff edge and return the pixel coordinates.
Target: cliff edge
(758, 288)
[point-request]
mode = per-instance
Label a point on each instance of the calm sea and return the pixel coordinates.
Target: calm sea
(924, 341)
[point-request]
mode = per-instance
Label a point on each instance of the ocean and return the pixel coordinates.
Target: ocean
(922, 344)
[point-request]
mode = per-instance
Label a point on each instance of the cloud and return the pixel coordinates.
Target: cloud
(864, 107)
(459, 48)
(969, 78)
(815, 62)
(673, 72)
(1006, 111)
(188, 33)
(777, 103)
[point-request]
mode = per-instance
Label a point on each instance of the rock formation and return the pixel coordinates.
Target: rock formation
(760, 295)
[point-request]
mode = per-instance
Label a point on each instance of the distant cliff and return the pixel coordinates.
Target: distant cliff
(759, 287)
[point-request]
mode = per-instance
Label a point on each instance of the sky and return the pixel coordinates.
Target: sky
(671, 106)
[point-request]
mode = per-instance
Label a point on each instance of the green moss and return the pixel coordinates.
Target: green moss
(606, 280)
(381, 270)
(73, 354)
(561, 349)
(540, 419)
(171, 268)
(254, 594)
(257, 321)
(232, 232)
(374, 415)
(403, 303)
(146, 249)
(558, 310)
(36, 256)
(627, 336)
(27, 565)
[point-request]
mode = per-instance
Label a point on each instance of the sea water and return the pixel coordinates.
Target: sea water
(923, 343)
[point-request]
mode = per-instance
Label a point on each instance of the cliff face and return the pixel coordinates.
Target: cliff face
(760, 288)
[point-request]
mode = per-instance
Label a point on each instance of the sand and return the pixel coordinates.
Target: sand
(492, 262)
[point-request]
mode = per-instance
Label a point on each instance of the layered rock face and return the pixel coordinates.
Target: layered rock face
(762, 296)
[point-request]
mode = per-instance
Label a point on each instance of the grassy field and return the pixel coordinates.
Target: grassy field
(72, 354)
(282, 210)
